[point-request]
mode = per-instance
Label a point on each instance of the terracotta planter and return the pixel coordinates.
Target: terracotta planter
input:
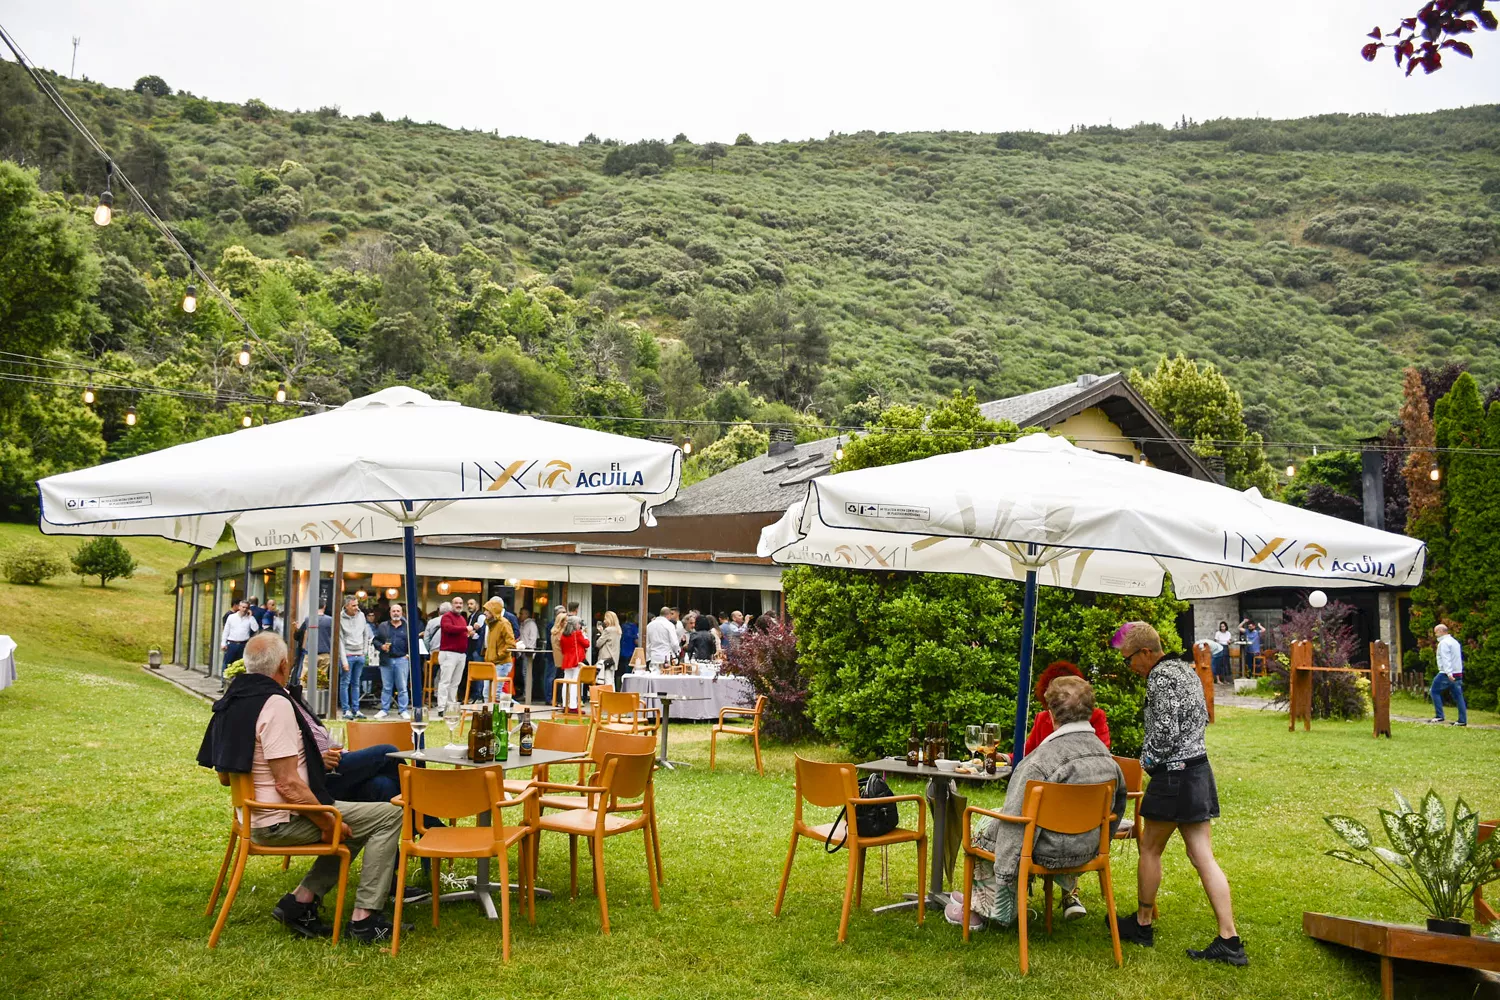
(1455, 927)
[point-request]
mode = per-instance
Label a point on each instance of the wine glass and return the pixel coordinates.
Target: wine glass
(453, 717)
(418, 727)
(992, 737)
(973, 739)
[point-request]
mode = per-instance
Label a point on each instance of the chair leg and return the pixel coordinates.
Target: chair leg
(503, 858)
(651, 867)
(656, 846)
(968, 891)
(759, 768)
(213, 897)
(922, 881)
(859, 881)
(286, 862)
(786, 874)
(572, 866)
(849, 881)
(528, 844)
(1047, 888)
(1106, 886)
(401, 859)
(338, 906)
(599, 878)
(437, 885)
(1023, 877)
(242, 852)
(713, 746)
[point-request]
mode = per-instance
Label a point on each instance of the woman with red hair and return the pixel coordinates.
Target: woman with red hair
(1043, 726)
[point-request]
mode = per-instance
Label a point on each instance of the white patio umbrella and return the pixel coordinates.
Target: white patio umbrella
(375, 468)
(1042, 511)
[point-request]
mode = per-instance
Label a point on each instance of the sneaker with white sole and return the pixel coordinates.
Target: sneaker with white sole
(404, 715)
(382, 714)
(954, 914)
(1072, 908)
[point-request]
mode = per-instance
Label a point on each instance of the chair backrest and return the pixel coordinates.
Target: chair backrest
(482, 670)
(613, 703)
(608, 742)
(461, 791)
(373, 732)
(760, 705)
(1069, 809)
(241, 790)
(626, 775)
(1134, 775)
(587, 675)
(560, 736)
(826, 785)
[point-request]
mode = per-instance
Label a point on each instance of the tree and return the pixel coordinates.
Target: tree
(153, 85)
(200, 112)
(257, 110)
(1201, 405)
(1329, 483)
(995, 281)
(31, 564)
(589, 140)
(149, 167)
(1437, 25)
(711, 151)
(47, 273)
(622, 159)
(680, 137)
(743, 139)
(105, 558)
(743, 442)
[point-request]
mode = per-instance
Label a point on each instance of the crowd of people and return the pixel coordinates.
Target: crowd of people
(1250, 636)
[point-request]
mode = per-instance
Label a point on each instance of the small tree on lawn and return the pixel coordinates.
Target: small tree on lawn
(105, 558)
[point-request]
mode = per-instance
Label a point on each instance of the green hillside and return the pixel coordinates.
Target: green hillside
(814, 280)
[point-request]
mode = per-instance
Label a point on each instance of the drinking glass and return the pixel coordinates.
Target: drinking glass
(973, 739)
(418, 727)
(453, 717)
(992, 737)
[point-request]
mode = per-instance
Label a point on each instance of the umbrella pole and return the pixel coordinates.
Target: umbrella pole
(409, 547)
(1023, 678)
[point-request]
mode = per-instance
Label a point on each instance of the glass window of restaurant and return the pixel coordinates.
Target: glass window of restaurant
(716, 601)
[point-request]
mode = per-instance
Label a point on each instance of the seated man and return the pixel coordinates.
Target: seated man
(1072, 754)
(257, 729)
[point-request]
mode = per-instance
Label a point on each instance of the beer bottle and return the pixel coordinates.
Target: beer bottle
(482, 737)
(929, 746)
(913, 748)
(527, 734)
(989, 761)
(474, 739)
(502, 736)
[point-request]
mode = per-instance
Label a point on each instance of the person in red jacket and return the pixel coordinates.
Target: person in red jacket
(1042, 727)
(574, 643)
(453, 654)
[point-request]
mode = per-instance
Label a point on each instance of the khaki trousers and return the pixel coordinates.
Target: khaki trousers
(374, 826)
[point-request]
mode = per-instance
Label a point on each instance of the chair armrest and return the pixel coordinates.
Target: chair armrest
(520, 800)
(298, 807)
(893, 799)
(556, 786)
(732, 710)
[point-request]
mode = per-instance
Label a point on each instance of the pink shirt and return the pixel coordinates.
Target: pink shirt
(276, 736)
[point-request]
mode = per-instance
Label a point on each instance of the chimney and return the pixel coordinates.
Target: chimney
(783, 440)
(1084, 381)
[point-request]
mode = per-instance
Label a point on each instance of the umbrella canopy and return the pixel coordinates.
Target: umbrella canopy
(1042, 511)
(375, 468)
(345, 475)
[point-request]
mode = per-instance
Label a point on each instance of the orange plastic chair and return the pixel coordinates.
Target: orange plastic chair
(553, 736)
(1135, 777)
(1061, 808)
(833, 786)
(587, 675)
(752, 730)
(621, 712)
(242, 794)
(609, 813)
(606, 742)
(479, 671)
(457, 793)
(372, 732)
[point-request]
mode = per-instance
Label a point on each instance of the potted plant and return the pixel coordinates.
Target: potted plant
(1436, 862)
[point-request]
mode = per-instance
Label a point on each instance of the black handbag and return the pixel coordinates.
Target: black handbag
(870, 821)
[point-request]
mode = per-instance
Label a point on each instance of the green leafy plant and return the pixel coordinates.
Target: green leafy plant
(1436, 862)
(32, 563)
(234, 670)
(105, 558)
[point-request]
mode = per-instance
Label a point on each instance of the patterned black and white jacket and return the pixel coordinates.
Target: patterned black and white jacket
(1176, 715)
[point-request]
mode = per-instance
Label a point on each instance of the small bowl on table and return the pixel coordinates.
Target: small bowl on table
(944, 764)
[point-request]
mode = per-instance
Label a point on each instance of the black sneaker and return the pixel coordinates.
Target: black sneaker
(1134, 931)
(1227, 950)
(374, 929)
(415, 894)
(301, 918)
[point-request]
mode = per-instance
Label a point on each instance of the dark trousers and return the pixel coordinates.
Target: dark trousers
(1221, 666)
(232, 651)
(366, 775)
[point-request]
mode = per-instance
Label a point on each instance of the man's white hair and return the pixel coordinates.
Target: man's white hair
(396, 607)
(445, 607)
(265, 653)
(1440, 627)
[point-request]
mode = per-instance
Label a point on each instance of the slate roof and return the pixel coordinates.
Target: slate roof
(763, 484)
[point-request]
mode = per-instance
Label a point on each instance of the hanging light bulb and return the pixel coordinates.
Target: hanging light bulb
(190, 299)
(1435, 474)
(1291, 469)
(130, 416)
(838, 451)
(245, 421)
(687, 446)
(106, 210)
(281, 393)
(88, 393)
(244, 357)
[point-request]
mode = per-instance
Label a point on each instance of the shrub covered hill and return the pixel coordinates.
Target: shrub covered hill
(820, 280)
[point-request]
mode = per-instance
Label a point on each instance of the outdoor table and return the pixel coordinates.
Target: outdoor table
(666, 698)
(722, 691)
(1400, 942)
(897, 766)
(483, 887)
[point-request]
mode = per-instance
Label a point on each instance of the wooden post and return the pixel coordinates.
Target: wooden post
(1203, 663)
(1299, 686)
(1380, 687)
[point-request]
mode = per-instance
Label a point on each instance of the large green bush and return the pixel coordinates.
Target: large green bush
(32, 563)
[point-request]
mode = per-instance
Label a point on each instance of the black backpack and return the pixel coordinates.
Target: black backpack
(870, 821)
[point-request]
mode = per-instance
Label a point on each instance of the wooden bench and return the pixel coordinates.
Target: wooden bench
(1401, 941)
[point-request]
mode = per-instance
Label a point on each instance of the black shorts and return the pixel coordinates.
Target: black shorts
(1189, 795)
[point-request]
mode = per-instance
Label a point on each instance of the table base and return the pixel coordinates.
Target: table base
(483, 892)
(935, 900)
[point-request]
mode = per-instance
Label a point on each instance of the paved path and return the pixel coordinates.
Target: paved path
(191, 681)
(1224, 696)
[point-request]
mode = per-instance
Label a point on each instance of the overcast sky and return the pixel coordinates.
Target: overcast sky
(778, 70)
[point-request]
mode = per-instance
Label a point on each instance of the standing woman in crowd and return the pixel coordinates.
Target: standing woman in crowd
(575, 646)
(608, 654)
(1182, 795)
(559, 623)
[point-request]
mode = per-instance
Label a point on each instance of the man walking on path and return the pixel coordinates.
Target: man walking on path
(1450, 675)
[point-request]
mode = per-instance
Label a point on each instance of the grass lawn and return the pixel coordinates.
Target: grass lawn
(110, 836)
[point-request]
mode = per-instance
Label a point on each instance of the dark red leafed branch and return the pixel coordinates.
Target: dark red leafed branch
(1420, 40)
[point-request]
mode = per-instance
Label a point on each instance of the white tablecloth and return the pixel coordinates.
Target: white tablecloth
(7, 661)
(719, 692)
